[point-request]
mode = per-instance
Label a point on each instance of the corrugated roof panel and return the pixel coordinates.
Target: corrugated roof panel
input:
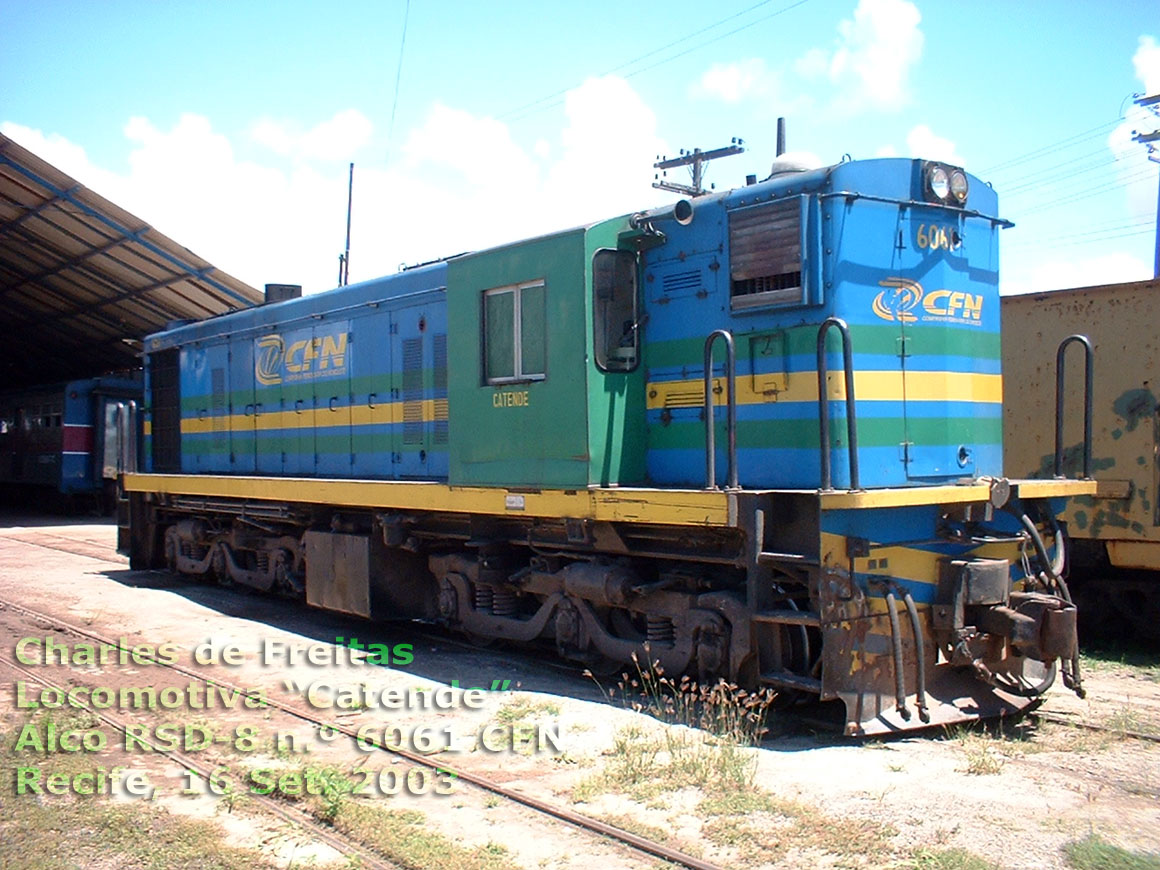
(82, 281)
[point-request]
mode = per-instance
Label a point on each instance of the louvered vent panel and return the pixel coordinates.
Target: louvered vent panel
(219, 409)
(680, 282)
(439, 376)
(413, 391)
(766, 253)
(165, 403)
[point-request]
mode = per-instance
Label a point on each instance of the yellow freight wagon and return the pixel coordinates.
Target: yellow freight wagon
(1116, 533)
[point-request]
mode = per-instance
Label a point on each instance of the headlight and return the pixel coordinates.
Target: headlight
(959, 185)
(940, 184)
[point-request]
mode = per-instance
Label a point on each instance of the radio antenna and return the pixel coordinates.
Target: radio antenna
(344, 258)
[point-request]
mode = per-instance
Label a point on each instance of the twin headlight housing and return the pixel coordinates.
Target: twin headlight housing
(944, 184)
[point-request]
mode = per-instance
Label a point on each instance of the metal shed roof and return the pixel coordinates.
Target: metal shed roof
(82, 282)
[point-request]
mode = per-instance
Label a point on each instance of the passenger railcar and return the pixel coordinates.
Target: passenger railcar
(69, 439)
(515, 441)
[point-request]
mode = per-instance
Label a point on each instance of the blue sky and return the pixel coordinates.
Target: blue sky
(229, 126)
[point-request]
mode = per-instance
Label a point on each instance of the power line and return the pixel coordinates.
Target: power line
(399, 71)
(647, 54)
(1073, 242)
(552, 100)
(1075, 139)
(1089, 192)
(1104, 231)
(1048, 174)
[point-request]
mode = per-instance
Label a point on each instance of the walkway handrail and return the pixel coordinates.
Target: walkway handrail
(1087, 404)
(731, 406)
(823, 404)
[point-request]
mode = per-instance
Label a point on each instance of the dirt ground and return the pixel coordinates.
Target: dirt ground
(1011, 798)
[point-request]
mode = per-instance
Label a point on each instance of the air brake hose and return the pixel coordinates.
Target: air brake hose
(1052, 567)
(920, 651)
(1049, 567)
(896, 645)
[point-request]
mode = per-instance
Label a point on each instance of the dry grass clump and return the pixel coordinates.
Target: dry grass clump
(723, 709)
(406, 838)
(644, 764)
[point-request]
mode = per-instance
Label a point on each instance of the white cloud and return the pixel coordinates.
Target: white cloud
(1136, 172)
(815, 63)
(1147, 64)
(922, 142)
(479, 151)
(733, 82)
(459, 182)
(337, 138)
(609, 145)
(875, 53)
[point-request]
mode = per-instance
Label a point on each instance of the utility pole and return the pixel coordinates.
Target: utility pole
(1152, 103)
(696, 159)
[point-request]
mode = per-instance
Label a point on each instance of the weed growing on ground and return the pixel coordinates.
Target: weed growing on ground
(406, 838)
(723, 709)
(636, 826)
(950, 859)
(1139, 661)
(644, 764)
(114, 834)
(980, 750)
(523, 708)
(771, 827)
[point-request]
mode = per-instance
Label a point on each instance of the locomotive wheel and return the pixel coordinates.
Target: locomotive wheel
(171, 550)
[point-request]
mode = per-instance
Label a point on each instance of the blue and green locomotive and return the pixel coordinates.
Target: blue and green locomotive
(757, 433)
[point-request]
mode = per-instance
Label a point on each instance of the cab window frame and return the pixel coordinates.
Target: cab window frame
(601, 332)
(521, 320)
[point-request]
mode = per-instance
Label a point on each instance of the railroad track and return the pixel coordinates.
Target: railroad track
(1092, 726)
(343, 845)
(431, 762)
(85, 547)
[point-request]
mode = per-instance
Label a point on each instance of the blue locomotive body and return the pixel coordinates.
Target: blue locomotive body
(347, 384)
(917, 284)
(518, 442)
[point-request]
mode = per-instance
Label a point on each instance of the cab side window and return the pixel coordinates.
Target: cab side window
(614, 310)
(514, 333)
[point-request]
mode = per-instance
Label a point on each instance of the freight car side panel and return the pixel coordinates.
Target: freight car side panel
(1121, 322)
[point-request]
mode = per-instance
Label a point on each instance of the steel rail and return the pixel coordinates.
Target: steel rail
(642, 844)
(343, 845)
(1091, 726)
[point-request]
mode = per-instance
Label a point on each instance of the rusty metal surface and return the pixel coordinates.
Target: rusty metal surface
(1122, 322)
(344, 560)
(953, 695)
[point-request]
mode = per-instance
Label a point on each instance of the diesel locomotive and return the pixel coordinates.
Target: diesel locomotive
(754, 435)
